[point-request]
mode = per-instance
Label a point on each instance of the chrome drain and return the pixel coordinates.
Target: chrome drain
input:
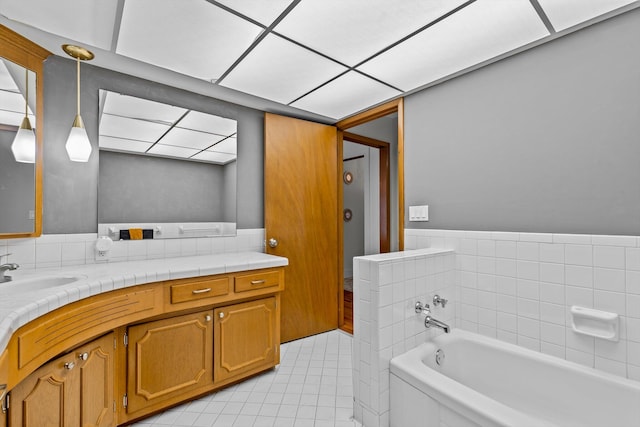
(439, 356)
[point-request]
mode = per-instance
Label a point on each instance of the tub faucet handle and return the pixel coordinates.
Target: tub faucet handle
(437, 299)
(422, 309)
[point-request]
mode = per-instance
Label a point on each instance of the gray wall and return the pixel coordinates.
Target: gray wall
(134, 188)
(545, 141)
(229, 192)
(17, 194)
(70, 189)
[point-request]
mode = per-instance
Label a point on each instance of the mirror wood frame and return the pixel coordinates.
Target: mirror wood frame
(27, 54)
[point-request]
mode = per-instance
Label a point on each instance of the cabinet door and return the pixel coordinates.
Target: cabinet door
(169, 360)
(97, 380)
(246, 338)
(73, 390)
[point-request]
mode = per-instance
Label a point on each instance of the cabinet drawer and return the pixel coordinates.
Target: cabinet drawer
(199, 290)
(250, 282)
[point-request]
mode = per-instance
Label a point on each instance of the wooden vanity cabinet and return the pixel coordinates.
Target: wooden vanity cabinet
(168, 361)
(246, 339)
(75, 389)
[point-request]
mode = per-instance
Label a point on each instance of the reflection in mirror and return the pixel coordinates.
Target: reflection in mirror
(163, 164)
(17, 162)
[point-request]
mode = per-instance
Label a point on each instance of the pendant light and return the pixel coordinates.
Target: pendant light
(78, 145)
(24, 144)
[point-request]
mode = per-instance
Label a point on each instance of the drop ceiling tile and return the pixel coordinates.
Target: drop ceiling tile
(6, 81)
(210, 156)
(123, 127)
(228, 146)
(262, 11)
(204, 122)
(192, 37)
(11, 118)
(567, 13)
(138, 108)
(87, 22)
(121, 144)
(352, 31)
(11, 101)
(189, 138)
(281, 71)
(346, 95)
(171, 151)
(481, 31)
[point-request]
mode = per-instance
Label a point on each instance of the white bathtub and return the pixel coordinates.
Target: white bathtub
(486, 382)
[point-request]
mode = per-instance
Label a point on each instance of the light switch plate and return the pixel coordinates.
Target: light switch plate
(419, 213)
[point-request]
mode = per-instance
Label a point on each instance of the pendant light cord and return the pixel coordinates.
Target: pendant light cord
(78, 78)
(26, 101)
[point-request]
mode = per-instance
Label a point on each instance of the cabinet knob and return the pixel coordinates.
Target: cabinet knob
(221, 315)
(83, 356)
(69, 366)
(207, 318)
(273, 243)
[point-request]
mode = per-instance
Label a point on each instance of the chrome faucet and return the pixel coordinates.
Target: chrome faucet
(5, 267)
(430, 321)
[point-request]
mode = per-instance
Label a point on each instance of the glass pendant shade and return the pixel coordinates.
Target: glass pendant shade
(78, 145)
(24, 144)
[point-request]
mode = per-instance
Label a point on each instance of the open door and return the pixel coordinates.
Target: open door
(301, 221)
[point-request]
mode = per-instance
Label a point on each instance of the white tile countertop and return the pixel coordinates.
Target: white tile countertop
(20, 305)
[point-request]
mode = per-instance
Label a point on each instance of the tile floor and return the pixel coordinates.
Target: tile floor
(310, 388)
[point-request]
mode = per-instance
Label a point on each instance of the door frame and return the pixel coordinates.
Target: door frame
(394, 106)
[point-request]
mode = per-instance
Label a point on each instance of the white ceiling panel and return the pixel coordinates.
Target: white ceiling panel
(171, 151)
(479, 32)
(209, 156)
(189, 138)
(228, 146)
(192, 37)
(345, 95)
(11, 118)
(265, 12)
(122, 127)
(11, 101)
(137, 108)
(88, 22)
(6, 81)
(352, 31)
(281, 71)
(208, 123)
(121, 144)
(567, 13)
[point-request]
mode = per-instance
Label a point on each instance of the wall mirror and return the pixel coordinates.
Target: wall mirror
(20, 147)
(162, 164)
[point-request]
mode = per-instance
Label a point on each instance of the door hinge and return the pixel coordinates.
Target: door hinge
(125, 400)
(5, 403)
(126, 339)
(115, 408)
(115, 343)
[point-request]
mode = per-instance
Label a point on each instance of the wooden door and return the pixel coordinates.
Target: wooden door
(169, 360)
(301, 213)
(245, 338)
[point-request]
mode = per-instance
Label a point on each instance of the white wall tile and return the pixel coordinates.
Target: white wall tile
(578, 255)
(609, 279)
(609, 256)
(506, 249)
(552, 252)
(578, 276)
(528, 251)
(551, 273)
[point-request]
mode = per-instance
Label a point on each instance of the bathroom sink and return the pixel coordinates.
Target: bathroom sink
(44, 282)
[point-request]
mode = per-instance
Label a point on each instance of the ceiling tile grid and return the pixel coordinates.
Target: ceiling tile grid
(329, 57)
(479, 32)
(192, 37)
(281, 71)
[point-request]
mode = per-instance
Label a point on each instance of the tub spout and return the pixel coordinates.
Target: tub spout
(430, 321)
